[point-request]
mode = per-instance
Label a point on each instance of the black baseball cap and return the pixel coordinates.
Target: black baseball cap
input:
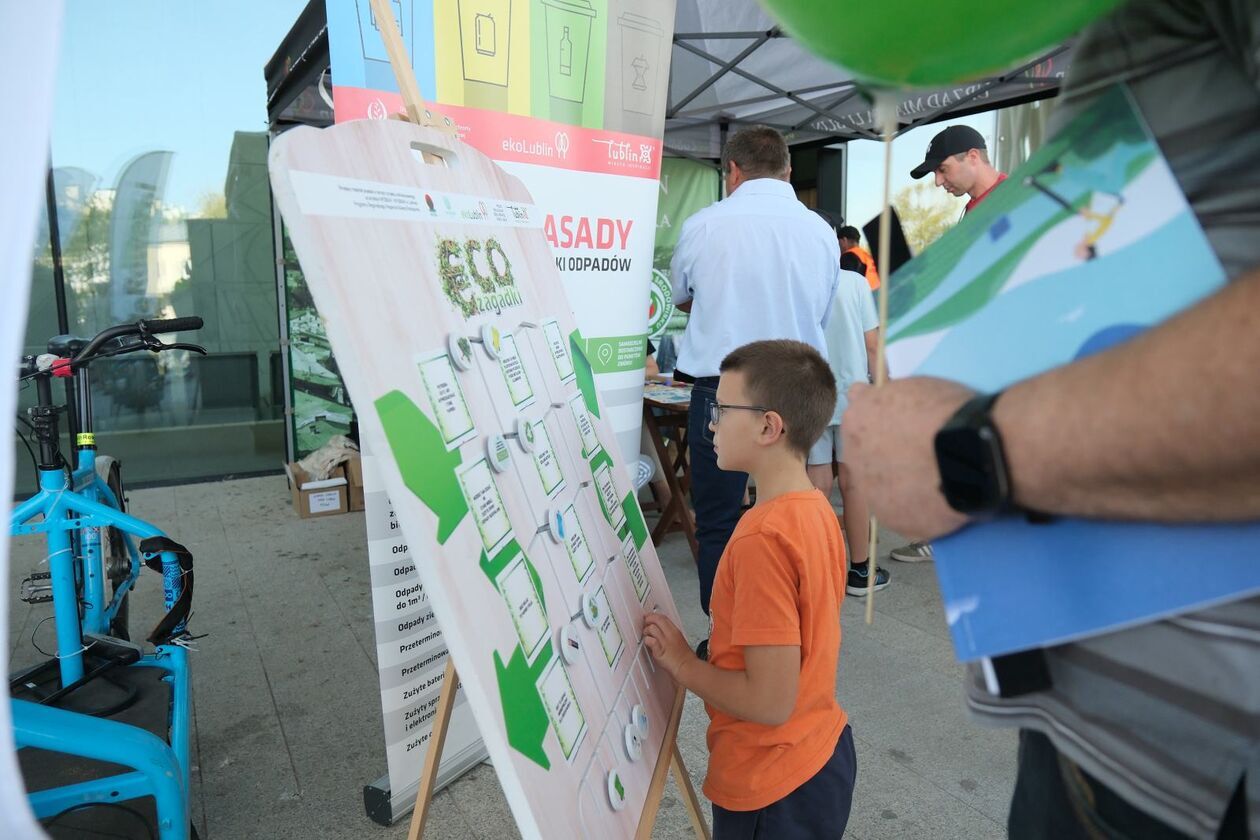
(954, 140)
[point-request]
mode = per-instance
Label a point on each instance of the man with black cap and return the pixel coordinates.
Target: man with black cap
(960, 161)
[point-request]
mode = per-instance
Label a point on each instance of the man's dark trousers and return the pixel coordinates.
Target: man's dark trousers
(716, 495)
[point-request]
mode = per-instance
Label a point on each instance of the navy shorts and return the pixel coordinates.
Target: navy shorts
(817, 809)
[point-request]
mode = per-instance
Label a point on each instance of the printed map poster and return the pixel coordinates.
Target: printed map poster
(1088, 244)
(406, 260)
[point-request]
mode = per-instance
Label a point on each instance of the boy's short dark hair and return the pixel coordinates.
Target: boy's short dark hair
(760, 151)
(792, 379)
(849, 232)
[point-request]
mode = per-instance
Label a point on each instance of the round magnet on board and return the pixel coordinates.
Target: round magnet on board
(634, 743)
(524, 434)
(460, 350)
(497, 453)
(569, 645)
(590, 611)
(639, 720)
(616, 791)
(555, 525)
(491, 341)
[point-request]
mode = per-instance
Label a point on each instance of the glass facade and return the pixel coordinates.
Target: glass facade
(163, 209)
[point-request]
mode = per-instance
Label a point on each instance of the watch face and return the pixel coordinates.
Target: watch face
(970, 464)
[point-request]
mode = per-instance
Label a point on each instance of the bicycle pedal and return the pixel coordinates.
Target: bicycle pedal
(37, 593)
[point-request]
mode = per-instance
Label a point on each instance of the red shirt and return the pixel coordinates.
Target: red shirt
(971, 205)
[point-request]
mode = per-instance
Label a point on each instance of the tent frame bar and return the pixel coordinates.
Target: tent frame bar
(733, 67)
(723, 69)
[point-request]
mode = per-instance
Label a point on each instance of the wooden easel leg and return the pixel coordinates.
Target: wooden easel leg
(683, 781)
(670, 757)
(441, 720)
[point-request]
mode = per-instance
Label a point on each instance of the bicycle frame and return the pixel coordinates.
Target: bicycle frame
(65, 511)
(75, 507)
(160, 771)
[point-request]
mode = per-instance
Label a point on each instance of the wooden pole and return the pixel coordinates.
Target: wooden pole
(886, 110)
(432, 758)
(683, 780)
(670, 757)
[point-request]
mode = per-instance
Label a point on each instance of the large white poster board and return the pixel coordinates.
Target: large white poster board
(453, 330)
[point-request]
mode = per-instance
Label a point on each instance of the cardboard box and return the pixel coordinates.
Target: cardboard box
(354, 472)
(318, 498)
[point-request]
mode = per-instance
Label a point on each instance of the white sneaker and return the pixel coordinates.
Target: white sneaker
(915, 552)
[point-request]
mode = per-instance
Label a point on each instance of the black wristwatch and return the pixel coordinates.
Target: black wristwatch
(975, 478)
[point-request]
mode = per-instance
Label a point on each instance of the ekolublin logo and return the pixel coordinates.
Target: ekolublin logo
(477, 276)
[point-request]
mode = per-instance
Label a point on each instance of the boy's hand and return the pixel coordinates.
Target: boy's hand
(666, 643)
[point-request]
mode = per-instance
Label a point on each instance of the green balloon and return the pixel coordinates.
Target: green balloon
(913, 43)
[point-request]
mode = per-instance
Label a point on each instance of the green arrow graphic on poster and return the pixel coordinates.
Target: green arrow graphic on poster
(427, 468)
(493, 568)
(634, 521)
(524, 715)
(582, 369)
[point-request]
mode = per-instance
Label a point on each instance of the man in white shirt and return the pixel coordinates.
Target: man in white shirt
(757, 265)
(852, 338)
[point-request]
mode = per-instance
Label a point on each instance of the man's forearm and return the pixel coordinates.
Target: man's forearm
(1164, 428)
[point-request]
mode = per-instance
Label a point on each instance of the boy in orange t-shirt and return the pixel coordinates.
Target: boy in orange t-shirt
(781, 756)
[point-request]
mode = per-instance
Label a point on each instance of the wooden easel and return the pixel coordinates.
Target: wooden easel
(670, 757)
(420, 114)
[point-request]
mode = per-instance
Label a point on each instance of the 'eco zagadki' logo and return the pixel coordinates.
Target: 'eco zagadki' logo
(477, 276)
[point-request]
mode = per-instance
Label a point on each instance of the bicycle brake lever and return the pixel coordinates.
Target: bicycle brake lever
(180, 345)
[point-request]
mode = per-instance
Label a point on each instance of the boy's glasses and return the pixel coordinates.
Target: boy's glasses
(716, 409)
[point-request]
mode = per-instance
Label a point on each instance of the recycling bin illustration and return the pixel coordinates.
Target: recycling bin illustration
(568, 24)
(640, 63)
(485, 28)
(638, 71)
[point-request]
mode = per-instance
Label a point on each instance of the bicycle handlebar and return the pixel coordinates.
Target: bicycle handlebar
(170, 325)
(150, 327)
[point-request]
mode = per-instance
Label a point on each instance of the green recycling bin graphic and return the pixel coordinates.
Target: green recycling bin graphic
(568, 24)
(484, 35)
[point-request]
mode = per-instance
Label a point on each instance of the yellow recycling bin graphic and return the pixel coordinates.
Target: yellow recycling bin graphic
(485, 27)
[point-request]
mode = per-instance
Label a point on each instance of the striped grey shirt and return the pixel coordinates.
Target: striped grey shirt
(1168, 714)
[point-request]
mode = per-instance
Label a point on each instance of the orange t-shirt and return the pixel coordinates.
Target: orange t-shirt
(779, 582)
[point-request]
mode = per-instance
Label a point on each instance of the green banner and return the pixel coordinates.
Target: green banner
(613, 353)
(686, 186)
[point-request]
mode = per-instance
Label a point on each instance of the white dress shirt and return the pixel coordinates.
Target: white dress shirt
(757, 265)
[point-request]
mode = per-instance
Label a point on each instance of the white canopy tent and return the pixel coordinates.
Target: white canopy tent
(733, 66)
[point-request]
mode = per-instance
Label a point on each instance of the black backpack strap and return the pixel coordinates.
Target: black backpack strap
(177, 616)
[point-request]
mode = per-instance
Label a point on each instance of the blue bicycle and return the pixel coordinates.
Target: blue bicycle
(101, 722)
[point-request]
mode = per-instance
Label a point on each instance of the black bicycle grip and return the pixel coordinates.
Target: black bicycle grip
(170, 325)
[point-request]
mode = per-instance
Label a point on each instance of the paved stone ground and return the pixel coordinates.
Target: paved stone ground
(288, 722)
